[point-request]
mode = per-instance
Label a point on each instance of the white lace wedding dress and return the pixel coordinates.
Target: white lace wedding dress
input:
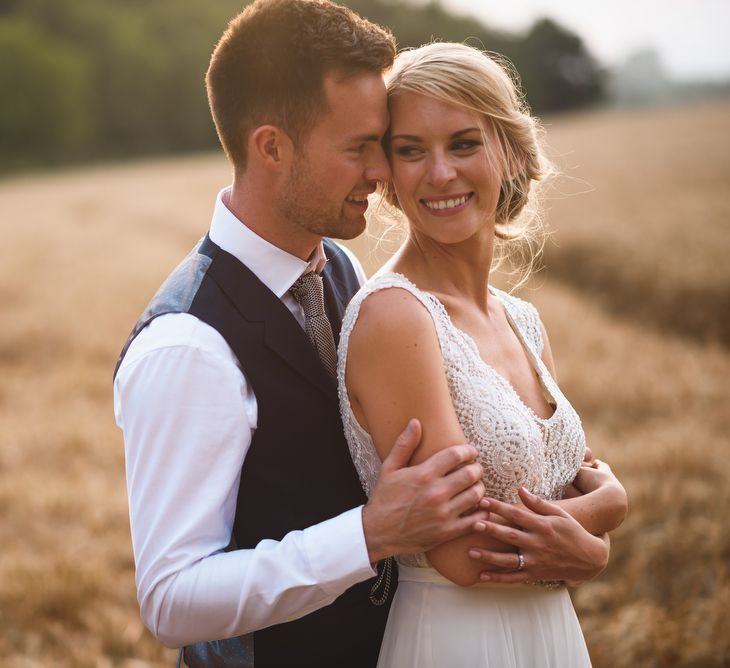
(434, 623)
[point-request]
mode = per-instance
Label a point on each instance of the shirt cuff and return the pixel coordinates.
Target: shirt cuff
(337, 552)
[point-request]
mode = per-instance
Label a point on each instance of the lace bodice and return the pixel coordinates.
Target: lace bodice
(515, 446)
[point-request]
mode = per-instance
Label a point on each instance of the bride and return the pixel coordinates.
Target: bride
(429, 337)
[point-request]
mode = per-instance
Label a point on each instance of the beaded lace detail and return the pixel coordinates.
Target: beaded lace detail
(515, 446)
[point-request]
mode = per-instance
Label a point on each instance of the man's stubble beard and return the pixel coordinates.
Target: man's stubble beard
(304, 203)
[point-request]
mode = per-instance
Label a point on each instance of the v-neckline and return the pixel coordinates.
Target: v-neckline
(552, 400)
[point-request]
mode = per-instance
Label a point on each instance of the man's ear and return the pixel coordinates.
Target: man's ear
(271, 147)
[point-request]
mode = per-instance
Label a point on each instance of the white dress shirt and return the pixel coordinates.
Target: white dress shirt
(188, 416)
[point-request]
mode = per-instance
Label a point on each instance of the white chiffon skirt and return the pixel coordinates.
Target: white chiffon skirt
(434, 623)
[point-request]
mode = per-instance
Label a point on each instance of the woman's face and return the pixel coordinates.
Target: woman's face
(446, 179)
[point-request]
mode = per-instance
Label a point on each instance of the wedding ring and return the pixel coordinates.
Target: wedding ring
(520, 560)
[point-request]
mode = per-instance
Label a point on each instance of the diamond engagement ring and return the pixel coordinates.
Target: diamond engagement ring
(520, 560)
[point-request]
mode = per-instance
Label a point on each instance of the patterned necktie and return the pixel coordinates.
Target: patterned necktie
(308, 290)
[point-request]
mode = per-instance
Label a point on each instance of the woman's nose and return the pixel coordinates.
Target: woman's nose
(441, 170)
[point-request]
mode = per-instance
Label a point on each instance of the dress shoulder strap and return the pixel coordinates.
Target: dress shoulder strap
(525, 317)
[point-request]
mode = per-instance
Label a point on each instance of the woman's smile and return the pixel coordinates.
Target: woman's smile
(447, 205)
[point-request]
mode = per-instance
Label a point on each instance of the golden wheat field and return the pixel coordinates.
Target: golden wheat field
(635, 298)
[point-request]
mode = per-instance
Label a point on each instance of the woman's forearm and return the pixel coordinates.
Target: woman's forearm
(599, 511)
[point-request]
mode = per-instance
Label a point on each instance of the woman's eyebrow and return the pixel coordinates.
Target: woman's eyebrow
(453, 135)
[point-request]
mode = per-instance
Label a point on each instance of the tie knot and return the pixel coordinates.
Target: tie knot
(308, 290)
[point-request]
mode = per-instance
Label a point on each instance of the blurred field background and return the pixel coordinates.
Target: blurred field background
(82, 252)
(635, 296)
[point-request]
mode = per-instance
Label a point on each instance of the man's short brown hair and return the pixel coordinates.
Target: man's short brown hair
(269, 66)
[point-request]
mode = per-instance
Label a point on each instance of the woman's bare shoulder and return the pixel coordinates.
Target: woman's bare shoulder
(393, 314)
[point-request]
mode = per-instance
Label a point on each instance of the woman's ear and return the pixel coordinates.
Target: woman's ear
(271, 147)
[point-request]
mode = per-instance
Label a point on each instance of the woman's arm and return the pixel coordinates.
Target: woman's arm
(395, 372)
(601, 504)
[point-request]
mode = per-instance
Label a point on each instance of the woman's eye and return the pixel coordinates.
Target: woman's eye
(464, 144)
(407, 151)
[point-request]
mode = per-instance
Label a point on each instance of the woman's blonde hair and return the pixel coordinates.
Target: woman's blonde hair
(488, 85)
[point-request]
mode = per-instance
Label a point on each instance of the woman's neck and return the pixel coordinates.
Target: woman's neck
(451, 270)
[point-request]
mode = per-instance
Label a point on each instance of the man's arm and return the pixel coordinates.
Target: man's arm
(188, 416)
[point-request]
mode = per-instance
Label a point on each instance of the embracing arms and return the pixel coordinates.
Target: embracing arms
(395, 371)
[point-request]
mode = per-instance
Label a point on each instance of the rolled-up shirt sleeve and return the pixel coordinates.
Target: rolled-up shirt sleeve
(188, 416)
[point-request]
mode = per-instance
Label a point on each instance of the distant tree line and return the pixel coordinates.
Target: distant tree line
(86, 80)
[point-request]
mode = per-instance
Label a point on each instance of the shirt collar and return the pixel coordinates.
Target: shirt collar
(274, 267)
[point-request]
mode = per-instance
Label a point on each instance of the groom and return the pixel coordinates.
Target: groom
(248, 520)
(246, 512)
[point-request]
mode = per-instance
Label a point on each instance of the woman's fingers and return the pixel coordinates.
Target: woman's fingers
(540, 506)
(504, 561)
(500, 566)
(529, 517)
(506, 534)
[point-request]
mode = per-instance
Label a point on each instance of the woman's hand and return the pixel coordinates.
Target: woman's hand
(596, 498)
(553, 545)
(593, 475)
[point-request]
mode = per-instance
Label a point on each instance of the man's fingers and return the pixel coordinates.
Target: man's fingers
(468, 500)
(404, 447)
(462, 526)
(467, 479)
(451, 458)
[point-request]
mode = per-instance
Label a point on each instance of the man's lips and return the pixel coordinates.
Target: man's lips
(358, 201)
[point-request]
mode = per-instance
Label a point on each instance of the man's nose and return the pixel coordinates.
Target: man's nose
(378, 168)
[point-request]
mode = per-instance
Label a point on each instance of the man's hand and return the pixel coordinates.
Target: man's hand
(414, 508)
(553, 545)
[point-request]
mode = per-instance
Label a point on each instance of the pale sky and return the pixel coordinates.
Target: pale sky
(691, 36)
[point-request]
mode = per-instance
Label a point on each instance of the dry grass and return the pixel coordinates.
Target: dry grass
(83, 251)
(649, 235)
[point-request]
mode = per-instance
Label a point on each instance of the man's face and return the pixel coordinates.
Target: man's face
(340, 160)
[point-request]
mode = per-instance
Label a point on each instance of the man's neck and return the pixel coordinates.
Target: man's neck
(245, 203)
